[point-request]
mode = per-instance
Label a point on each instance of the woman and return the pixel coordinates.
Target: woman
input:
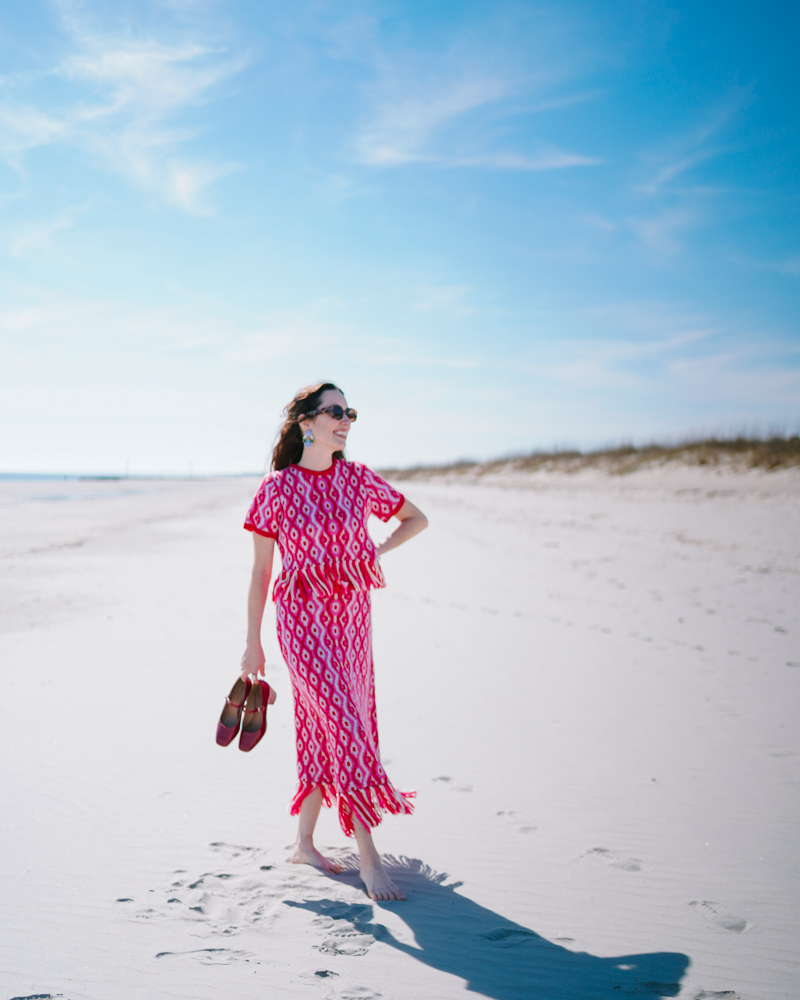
(315, 504)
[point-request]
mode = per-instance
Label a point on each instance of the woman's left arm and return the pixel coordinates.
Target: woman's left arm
(412, 521)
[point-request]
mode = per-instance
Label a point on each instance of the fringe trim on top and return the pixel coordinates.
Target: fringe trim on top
(366, 803)
(325, 579)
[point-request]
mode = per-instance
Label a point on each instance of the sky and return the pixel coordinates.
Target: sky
(498, 226)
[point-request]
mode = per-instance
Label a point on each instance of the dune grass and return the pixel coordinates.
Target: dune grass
(737, 453)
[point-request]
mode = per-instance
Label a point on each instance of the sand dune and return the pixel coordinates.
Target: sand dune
(591, 682)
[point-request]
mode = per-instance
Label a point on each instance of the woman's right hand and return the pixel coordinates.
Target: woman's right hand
(253, 660)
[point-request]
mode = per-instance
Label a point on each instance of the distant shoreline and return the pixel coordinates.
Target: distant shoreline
(82, 477)
(740, 454)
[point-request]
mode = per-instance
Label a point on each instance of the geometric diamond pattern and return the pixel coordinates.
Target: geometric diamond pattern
(324, 626)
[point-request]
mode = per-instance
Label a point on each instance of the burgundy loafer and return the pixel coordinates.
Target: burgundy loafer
(228, 725)
(254, 723)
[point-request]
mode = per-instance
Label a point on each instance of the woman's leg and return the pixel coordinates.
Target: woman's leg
(304, 852)
(374, 875)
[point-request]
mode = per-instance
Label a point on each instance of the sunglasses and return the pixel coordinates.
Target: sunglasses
(336, 412)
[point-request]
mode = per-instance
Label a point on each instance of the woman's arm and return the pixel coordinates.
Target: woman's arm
(412, 521)
(264, 549)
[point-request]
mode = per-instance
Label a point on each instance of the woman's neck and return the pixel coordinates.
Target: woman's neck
(316, 459)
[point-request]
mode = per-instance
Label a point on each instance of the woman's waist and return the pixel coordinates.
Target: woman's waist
(326, 578)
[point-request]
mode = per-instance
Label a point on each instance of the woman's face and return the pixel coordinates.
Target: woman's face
(328, 432)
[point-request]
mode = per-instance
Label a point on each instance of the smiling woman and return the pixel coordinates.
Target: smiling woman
(296, 436)
(316, 505)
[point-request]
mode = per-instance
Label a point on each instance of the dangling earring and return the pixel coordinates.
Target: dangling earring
(308, 438)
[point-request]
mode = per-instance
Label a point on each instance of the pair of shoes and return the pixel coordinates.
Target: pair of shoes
(252, 697)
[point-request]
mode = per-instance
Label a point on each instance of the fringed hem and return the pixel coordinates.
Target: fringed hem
(328, 796)
(325, 579)
(367, 804)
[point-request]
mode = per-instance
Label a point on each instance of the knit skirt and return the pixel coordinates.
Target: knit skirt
(327, 645)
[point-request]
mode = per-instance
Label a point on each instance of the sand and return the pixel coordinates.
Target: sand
(591, 681)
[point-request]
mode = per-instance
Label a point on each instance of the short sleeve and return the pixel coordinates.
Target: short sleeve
(383, 500)
(264, 516)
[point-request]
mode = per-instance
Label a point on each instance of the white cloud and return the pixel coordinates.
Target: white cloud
(789, 266)
(37, 236)
(22, 128)
(127, 111)
(783, 265)
(450, 299)
(548, 158)
(596, 221)
(673, 202)
(658, 232)
(747, 375)
(404, 124)
(209, 385)
(407, 127)
(699, 144)
(444, 109)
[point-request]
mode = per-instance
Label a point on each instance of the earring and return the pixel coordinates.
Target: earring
(308, 438)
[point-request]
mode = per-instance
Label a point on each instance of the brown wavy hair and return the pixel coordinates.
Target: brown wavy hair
(288, 449)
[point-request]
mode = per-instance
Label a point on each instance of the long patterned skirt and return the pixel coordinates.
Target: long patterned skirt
(327, 645)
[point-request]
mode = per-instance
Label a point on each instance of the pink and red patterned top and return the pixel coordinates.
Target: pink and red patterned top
(320, 522)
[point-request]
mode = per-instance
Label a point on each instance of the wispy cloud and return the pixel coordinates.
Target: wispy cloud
(747, 375)
(669, 200)
(699, 144)
(406, 126)
(37, 236)
(789, 266)
(454, 105)
(545, 158)
(658, 232)
(451, 299)
(403, 126)
(127, 110)
(785, 265)
(23, 127)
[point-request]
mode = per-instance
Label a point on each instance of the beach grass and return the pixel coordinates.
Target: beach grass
(736, 453)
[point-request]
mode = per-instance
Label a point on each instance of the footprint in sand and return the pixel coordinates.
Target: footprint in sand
(241, 896)
(615, 860)
(246, 895)
(349, 928)
(224, 903)
(717, 915)
(508, 937)
(515, 820)
(231, 850)
(452, 783)
(353, 945)
(213, 956)
(355, 993)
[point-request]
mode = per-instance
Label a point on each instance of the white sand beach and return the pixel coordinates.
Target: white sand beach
(590, 680)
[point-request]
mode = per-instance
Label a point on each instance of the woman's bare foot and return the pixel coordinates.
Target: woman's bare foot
(379, 885)
(307, 854)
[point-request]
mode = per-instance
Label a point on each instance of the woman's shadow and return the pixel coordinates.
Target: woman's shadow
(497, 957)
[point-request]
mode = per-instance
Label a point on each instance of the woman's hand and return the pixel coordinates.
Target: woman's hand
(253, 660)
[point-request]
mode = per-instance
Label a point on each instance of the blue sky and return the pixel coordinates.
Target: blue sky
(498, 226)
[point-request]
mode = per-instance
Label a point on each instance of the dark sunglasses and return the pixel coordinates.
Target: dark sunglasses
(336, 412)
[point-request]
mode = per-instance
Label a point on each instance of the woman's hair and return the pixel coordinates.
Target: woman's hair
(289, 446)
